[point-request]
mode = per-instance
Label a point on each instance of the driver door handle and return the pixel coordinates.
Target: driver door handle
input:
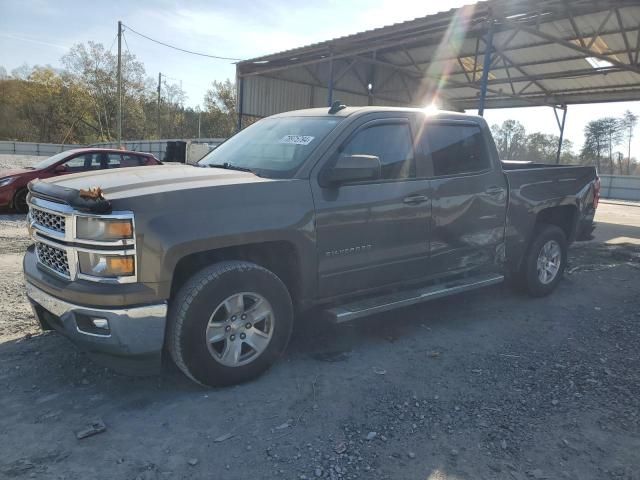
(415, 199)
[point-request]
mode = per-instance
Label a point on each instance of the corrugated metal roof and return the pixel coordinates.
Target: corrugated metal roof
(544, 54)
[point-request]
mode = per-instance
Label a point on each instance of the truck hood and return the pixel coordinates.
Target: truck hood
(137, 181)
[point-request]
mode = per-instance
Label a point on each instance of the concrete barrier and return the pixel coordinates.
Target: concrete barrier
(621, 187)
(32, 148)
(156, 147)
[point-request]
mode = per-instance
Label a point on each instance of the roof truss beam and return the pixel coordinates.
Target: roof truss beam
(573, 25)
(435, 80)
(599, 30)
(568, 44)
(624, 36)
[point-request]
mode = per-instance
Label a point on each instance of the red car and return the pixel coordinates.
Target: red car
(13, 183)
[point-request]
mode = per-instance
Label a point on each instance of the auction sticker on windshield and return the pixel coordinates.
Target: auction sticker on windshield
(296, 139)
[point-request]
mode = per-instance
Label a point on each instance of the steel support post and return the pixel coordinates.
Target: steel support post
(485, 69)
(561, 125)
(240, 100)
(330, 87)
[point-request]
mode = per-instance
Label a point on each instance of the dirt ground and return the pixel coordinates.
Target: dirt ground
(18, 161)
(486, 385)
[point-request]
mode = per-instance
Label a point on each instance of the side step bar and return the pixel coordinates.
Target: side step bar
(383, 303)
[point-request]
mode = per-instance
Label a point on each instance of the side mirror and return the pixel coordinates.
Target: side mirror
(354, 168)
(60, 168)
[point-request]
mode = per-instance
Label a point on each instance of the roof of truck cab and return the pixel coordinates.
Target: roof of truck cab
(352, 111)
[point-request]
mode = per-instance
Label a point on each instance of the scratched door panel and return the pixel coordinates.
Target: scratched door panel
(468, 224)
(469, 199)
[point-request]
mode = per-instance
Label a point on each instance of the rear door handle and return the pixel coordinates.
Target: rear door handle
(415, 199)
(494, 191)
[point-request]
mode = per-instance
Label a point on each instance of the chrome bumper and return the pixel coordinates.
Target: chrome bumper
(136, 332)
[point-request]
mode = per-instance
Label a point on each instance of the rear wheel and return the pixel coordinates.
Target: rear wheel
(20, 201)
(544, 262)
(229, 323)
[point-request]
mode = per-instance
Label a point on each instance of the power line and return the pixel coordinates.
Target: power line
(126, 44)
(217, 57)
(113, 43)
(171, 78)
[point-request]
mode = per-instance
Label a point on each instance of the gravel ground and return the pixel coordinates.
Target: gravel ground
(18, 161)
(486, 385)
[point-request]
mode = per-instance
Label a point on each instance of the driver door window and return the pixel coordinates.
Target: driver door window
(391, 143)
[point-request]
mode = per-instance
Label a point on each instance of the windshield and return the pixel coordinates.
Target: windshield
(273, 147)
(51, 160)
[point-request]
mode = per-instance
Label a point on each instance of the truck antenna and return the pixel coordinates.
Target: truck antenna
(337, 106)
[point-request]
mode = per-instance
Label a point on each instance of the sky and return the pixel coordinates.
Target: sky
(40, 32)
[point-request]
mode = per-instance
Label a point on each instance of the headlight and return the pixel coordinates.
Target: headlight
(88, 228)
(107, 266)
(6, 181)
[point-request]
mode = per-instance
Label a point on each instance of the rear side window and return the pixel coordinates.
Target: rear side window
(132, 161)
(454, 149)
(391, 143)
(109, 160)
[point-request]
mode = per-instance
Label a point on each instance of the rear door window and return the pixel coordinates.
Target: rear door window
(454, 149)
(132, 161)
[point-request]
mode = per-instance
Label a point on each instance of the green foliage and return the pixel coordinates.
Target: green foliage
(79, 103)
(511, 140)
(513, 143)
(601, 138)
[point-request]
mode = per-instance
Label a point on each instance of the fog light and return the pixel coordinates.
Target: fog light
(102, 323)
(92, 325)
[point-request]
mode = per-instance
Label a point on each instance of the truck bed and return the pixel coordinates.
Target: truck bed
(534, 187)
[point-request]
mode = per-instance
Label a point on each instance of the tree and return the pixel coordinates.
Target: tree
(22, 72)
(595, 140)
(79, 104)
(629, 122)
(511, 141)
(94, 70)
(613, 132)
(542, 147)
(220, 117)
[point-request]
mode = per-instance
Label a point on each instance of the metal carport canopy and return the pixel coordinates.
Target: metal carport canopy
(494, 54)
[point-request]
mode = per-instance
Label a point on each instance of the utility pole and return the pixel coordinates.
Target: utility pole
(199, 113)
(119, 120)
(159, 88)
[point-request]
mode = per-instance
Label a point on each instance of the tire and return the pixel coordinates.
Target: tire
(20, 201)
(541, 282)
(222, 300)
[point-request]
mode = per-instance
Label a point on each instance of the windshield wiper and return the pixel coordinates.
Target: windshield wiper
(229, 166)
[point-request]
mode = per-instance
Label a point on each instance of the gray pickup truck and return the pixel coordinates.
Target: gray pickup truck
(350, 210)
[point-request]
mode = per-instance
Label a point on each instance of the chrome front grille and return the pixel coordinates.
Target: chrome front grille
(49, 220)
(54, 258)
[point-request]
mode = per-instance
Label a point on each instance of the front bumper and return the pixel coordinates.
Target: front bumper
(132, 341)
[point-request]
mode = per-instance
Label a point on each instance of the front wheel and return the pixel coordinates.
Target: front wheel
(229, 323)
(20, 204)
(544, 262)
